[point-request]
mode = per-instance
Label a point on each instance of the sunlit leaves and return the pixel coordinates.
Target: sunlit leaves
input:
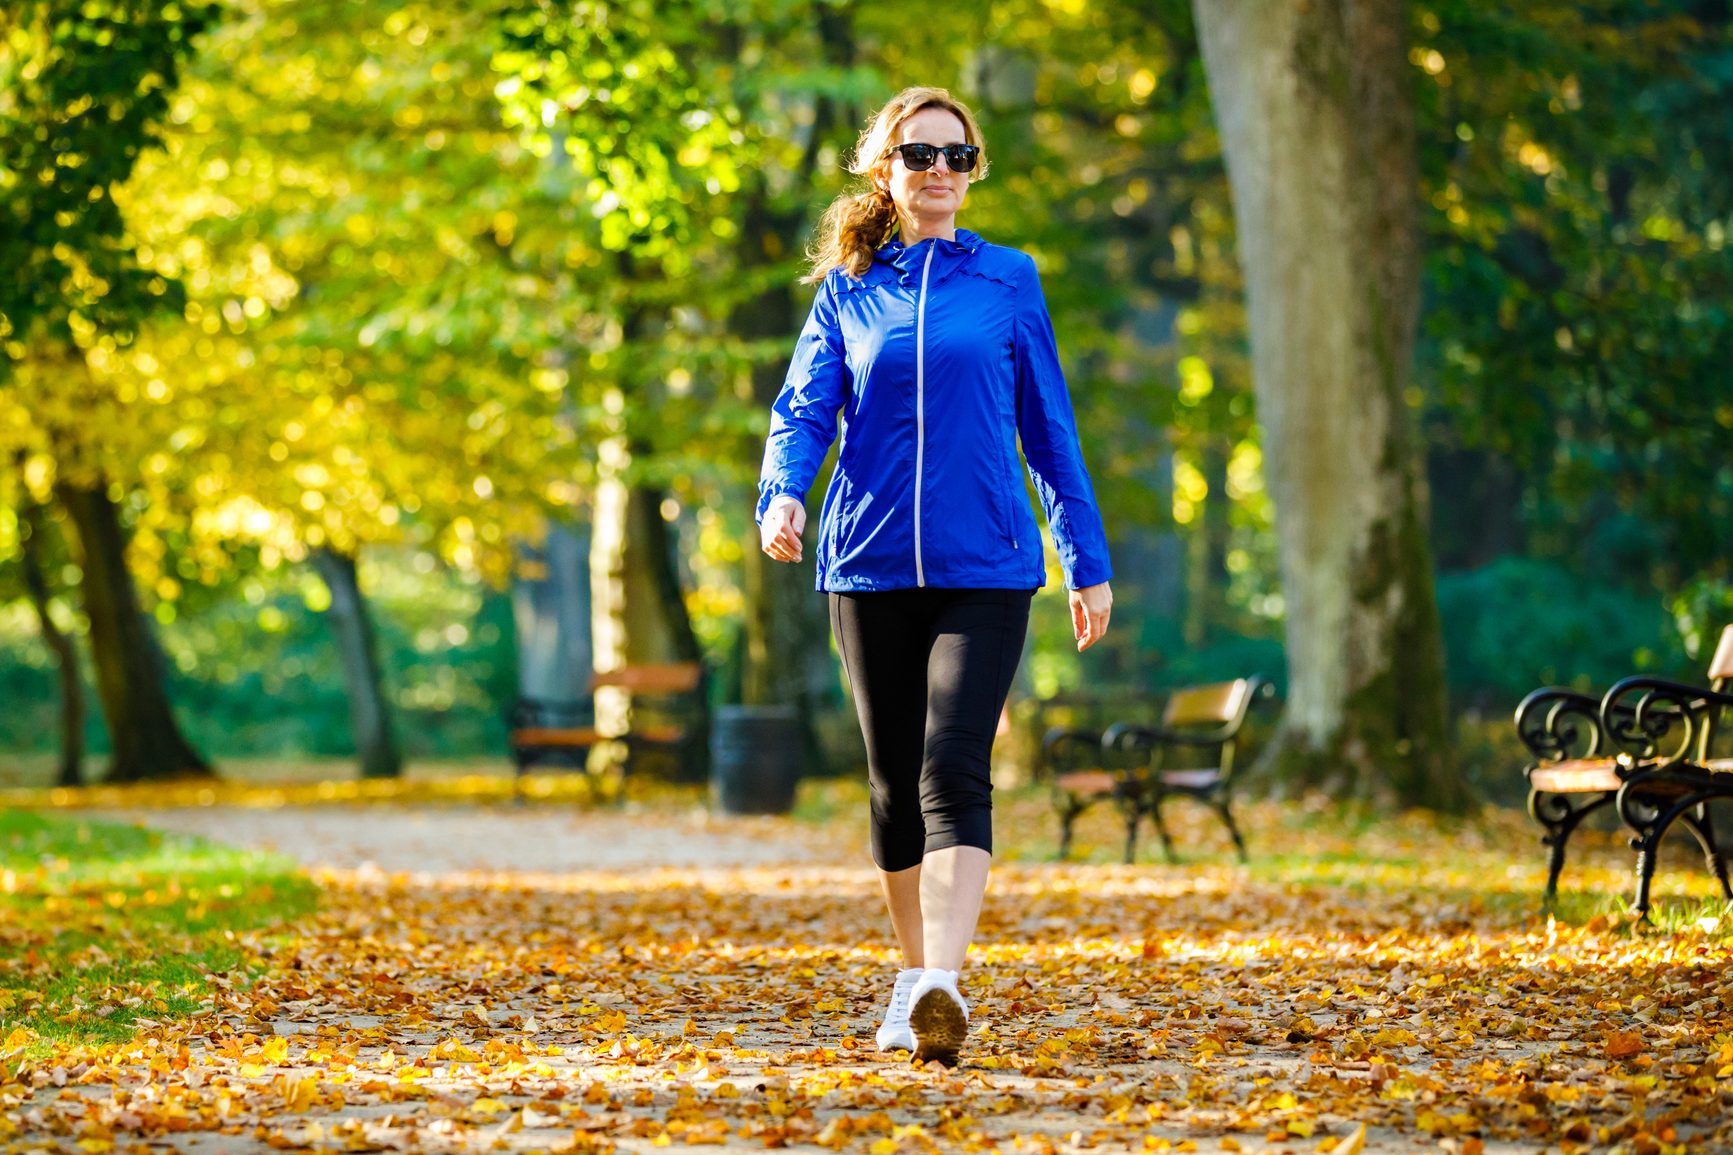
(1382, 986)
(86, 84)
(1576, 165)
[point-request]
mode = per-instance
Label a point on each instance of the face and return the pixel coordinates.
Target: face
(934, 196)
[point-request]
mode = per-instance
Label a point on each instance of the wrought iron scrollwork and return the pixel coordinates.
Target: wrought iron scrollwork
(1654, 720)
(1556, 724)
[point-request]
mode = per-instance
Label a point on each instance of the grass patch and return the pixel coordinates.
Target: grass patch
(103, 925)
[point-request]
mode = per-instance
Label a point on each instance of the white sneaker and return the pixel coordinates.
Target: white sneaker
(895, 1034)
(938, 1016)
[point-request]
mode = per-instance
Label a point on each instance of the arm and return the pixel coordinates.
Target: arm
(1049, 434)
(803, 418)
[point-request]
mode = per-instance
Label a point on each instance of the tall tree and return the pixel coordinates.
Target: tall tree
(374, 263)
(34, 560)
(1317, 122)
(87, 86)
(369, 717)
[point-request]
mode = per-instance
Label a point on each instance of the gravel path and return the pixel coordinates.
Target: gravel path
(442, 839)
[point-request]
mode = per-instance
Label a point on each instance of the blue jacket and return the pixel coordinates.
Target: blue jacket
(938, 358)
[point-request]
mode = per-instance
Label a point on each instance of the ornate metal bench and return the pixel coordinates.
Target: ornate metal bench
(1593, 752)
(1669, 730)
(1129, 765)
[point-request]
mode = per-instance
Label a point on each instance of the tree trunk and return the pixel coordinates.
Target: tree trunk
(551, 606)
(147, 742)
(786, 647)
(786, 656)
(369, 713)
(638, 613)
(65, 656)
(1317, 125)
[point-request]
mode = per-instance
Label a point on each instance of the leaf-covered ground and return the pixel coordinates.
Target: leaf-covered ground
(1390, 975)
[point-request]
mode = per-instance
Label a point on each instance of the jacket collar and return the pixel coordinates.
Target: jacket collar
(947, 257)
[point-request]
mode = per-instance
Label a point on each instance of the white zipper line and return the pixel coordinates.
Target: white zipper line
(921, 407)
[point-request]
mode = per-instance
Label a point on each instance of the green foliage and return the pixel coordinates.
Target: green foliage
(433, 258)
(1520, 623)
(257, 673)
(98, 912)
(84, 88)
(1702, 610)
(1577, 171)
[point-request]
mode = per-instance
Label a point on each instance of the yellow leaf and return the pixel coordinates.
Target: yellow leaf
(20, 1038)
(1624, 1044)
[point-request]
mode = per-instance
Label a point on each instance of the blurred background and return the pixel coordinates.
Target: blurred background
(370, 365)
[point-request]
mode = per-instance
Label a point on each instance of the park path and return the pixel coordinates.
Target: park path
(499, 980)
(443, 839)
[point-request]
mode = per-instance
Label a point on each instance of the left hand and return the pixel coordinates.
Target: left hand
(1090, 609)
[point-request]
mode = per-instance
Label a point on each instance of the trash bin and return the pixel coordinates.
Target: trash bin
(755, 754)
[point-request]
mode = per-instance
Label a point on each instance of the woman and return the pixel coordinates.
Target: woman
(936, 349)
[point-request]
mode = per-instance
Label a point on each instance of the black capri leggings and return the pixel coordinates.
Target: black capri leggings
(930, 669)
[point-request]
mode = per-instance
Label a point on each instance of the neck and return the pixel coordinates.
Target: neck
(915, 231)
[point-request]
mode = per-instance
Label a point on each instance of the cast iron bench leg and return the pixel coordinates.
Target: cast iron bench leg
(1067, 816)
(1558, 818)
(1702, 825)
(1221, 808)
(1648, 843)
(1161, 829)
(1133, 812)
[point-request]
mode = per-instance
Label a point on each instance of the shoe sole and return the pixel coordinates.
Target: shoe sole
(895, 1045)
(940, 1027)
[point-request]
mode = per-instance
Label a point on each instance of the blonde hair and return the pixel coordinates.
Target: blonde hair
(857, 223)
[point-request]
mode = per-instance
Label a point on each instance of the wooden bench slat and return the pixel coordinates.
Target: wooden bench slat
(675, 678)
(1087, 782)
(661, 732)
(1576, 776)
(1212, 705)
(589, 735)
(550, 736)
(1196, 779)
(1721, 665)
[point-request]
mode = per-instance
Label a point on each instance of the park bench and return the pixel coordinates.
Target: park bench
(1590, 752)
(1668, 731)
(562, 733)
(1132, 766)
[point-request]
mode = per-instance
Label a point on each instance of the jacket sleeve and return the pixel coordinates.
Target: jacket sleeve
(1049, 434)
(803, 418)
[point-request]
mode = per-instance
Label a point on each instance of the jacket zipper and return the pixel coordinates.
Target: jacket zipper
(921, 407)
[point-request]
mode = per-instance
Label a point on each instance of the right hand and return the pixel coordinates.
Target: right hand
(779, 532)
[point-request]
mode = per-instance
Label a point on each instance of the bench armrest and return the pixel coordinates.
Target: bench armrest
(1065, 749)
(1657, 719)
(1557, 723)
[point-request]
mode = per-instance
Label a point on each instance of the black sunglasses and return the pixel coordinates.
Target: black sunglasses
(920, 157)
